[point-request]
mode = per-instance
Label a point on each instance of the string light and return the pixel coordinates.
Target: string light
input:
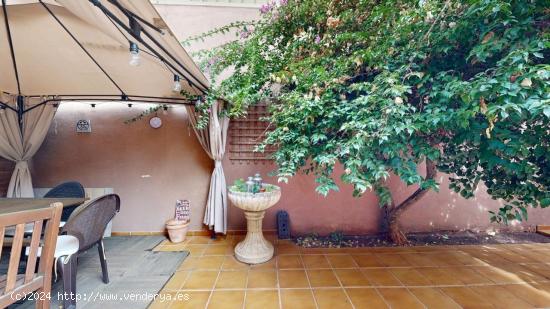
(134, 55)
(177, 84)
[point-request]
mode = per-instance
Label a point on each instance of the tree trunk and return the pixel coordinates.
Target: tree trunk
(395, 233)
(393, 212)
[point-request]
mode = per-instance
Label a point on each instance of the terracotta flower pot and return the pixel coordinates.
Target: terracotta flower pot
(177, 230)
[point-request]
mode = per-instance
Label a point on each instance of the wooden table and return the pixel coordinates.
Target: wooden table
(9, 205)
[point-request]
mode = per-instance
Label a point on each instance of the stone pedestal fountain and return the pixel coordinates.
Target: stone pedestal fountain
(254, 249)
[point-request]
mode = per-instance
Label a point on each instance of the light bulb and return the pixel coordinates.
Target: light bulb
(177, 86)
(134, 55)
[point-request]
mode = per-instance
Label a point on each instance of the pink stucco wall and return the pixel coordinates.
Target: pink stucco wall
(119, 156)
(149, 168)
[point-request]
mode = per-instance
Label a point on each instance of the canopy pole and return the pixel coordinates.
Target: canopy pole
(83, 48)
(10, 41)
(146, 100)
(140, 19)
(4, 105)
(109, 14)
(143, 50)
(20, 111)
(130, 15)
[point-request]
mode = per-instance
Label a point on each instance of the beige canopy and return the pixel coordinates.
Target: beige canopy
(75, 49)
(54, 51)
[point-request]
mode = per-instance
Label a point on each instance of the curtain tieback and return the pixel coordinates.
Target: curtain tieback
(217, 163)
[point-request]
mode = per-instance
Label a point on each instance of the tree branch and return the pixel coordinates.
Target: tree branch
(431, 172)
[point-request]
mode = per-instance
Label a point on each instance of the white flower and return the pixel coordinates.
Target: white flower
(429, 17)
(526, 83)
(398, 100)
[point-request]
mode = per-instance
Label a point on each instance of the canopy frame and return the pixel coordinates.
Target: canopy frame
(21, 110)
(10, 42)
(134, 29)
(136, 35)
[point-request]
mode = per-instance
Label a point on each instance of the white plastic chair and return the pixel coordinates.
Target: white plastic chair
(65, 258)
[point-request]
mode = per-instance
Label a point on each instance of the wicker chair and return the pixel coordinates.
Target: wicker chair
(67, 190)
(88, 223)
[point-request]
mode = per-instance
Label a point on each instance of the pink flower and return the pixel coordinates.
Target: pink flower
(244, 34)
(317, 39)
(283, 2)
(265, 8)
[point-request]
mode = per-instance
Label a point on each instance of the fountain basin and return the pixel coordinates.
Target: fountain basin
(254, 249)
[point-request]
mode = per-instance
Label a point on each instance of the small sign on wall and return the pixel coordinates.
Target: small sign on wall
(84, 126)
(183, 210)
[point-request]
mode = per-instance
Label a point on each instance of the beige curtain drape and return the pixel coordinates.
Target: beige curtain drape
(213, 139)
(18, 146)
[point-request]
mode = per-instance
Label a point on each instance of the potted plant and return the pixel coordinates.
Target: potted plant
(178, 226)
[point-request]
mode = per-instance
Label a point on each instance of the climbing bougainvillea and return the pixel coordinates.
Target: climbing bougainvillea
(382, 86)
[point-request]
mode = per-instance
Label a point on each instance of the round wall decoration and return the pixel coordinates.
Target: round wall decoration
(155, 122)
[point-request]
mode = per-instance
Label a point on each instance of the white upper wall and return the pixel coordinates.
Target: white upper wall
(188, 20)
(226, 3)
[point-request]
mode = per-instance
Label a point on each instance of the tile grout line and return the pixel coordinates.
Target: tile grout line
(475, 267)
(382, 297)
(406, 287)
(377, 287)
(449, 296)
(340, 281)
(415, 297)
(309, 283)
(246, 286)
(278, 283)
(181, 286)
(358, 268)
(214, 285)
(177, 270)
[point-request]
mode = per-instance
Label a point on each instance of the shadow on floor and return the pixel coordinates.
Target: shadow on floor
(135, 272)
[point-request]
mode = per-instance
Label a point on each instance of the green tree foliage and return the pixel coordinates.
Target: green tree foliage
(381, 86)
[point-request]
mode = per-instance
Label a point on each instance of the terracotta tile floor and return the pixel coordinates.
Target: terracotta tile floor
(489, 276)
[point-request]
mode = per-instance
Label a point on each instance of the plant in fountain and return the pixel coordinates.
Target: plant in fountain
(240, 185)
(387, 87)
